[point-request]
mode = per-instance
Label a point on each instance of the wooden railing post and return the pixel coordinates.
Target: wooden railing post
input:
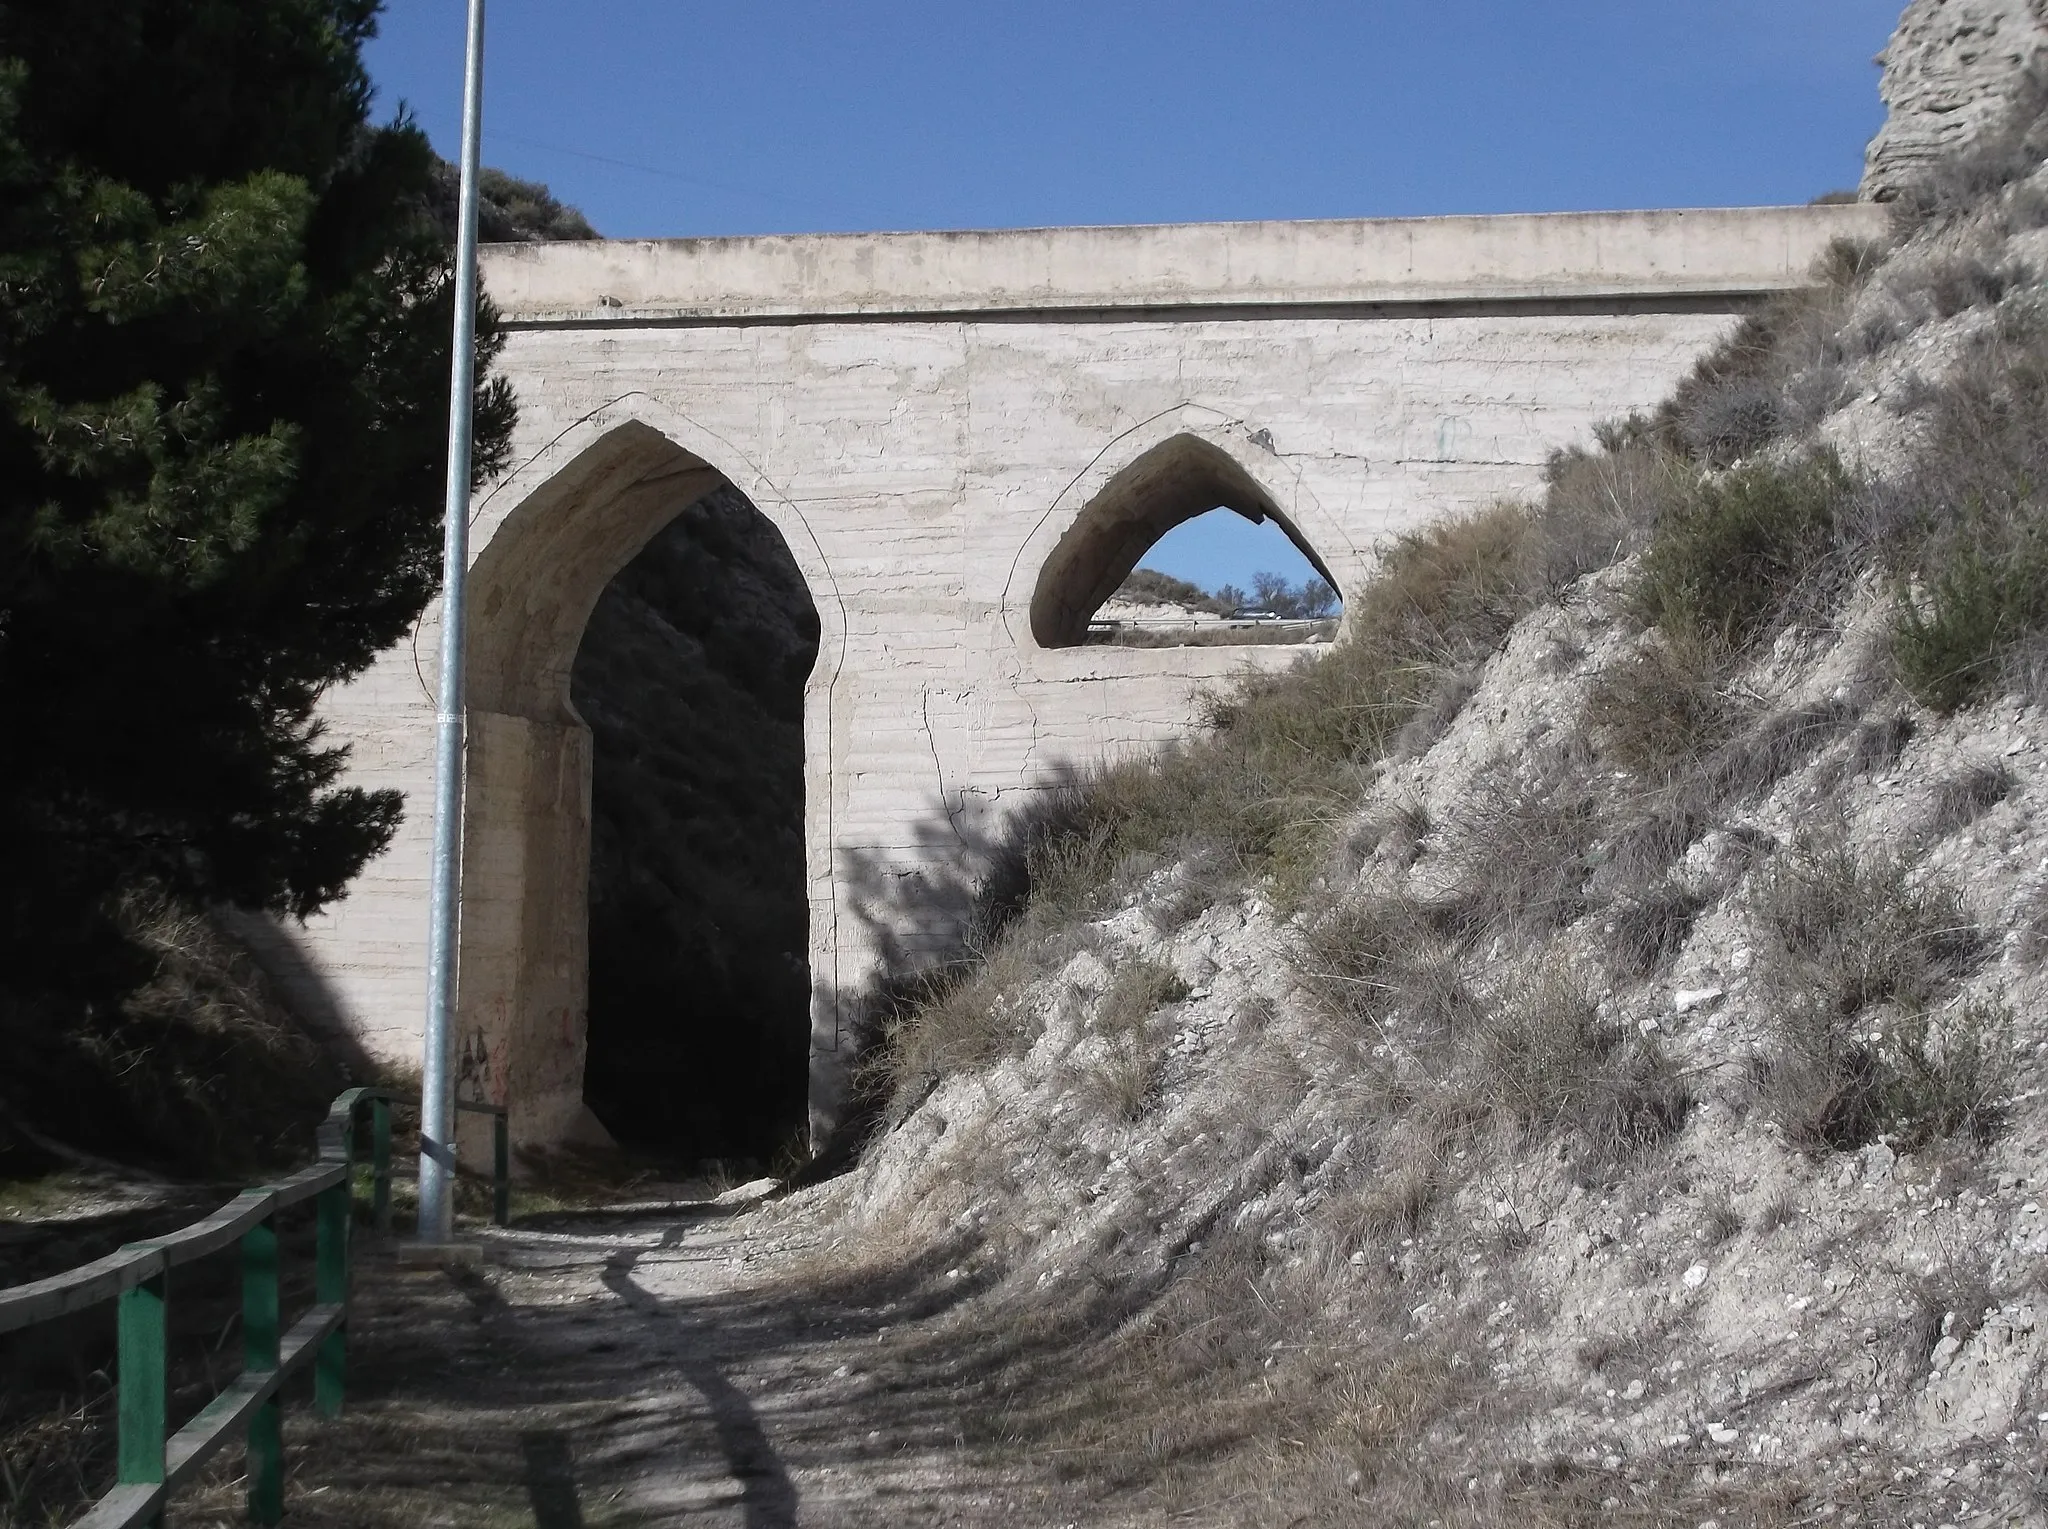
(331, 1287)
(262, 1332)
(380, 1162)
(141, 1377)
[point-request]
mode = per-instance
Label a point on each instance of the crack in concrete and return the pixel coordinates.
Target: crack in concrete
(931, 742)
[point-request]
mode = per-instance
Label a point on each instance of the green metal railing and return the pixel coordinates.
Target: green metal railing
(152, 1461)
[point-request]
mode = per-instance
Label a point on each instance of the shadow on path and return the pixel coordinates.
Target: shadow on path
(768, 1495)
(551, 1479)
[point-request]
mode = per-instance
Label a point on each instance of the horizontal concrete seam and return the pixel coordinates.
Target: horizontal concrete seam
(1593, 305)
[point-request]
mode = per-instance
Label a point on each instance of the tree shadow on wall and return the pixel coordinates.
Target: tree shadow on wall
(929, 910)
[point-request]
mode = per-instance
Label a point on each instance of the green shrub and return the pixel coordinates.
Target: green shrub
(1744, 550)
(1983, 596)
(1964, 535)
(1946, 1080)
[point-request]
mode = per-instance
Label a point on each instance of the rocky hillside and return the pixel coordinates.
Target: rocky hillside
(1574, 1054)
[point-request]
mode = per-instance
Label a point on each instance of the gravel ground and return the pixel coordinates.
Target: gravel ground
(615, 1371)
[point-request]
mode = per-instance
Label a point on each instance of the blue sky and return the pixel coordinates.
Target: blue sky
(676, 117)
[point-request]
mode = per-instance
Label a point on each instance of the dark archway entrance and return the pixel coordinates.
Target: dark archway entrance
(691, 676)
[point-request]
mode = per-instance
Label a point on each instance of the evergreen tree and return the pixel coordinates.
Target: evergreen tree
(225, 308)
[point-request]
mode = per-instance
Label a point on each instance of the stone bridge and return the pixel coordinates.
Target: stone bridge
(965, 440)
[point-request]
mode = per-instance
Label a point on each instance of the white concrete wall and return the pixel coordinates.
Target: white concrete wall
(923, 416)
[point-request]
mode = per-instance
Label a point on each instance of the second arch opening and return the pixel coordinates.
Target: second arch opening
(1180, 547)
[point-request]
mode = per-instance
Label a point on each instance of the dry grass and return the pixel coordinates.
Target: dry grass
(1879, 743)
(1446, 1062)
(1778, 1212)
(1124, 1076)
(1451, 688)
(1773, 746)
(960, 1017)
(1949, 1301)
(1647, 931)
(1652, 831)
(1776, 375)
(55, 1457)
(1371, 962)
(1960, 799)
(1847, 933)
(1248, 1390)
(199, 1070)
(1601, 504)
(1547, 1057)
(1645, 713)
(1948, 1076)
(1847, 930)
(1721, 1219)
(1520, 855)
(1662, 710)
(1410, 1176)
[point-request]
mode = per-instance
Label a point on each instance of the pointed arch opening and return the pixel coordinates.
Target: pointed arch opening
(1178, 481)
(691, 676)
(636, 902)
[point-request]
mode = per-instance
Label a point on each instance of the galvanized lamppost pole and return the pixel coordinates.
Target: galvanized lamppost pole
(437, 1091)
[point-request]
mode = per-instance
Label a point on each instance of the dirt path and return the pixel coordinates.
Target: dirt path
(617, 1372)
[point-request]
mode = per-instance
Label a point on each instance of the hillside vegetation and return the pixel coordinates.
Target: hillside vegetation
(1572, 1054)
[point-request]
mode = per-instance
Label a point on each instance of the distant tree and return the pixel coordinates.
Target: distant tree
(1311, 600)
(1271, 591)
(224, 330)
(1231, 598)
(508, 210)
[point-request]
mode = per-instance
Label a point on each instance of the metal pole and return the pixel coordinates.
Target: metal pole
(437, 1092)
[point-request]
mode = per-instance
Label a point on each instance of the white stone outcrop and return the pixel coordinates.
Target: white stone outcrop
(1948, 70)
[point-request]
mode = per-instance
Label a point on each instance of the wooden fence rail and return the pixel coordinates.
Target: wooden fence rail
(153, 1462)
